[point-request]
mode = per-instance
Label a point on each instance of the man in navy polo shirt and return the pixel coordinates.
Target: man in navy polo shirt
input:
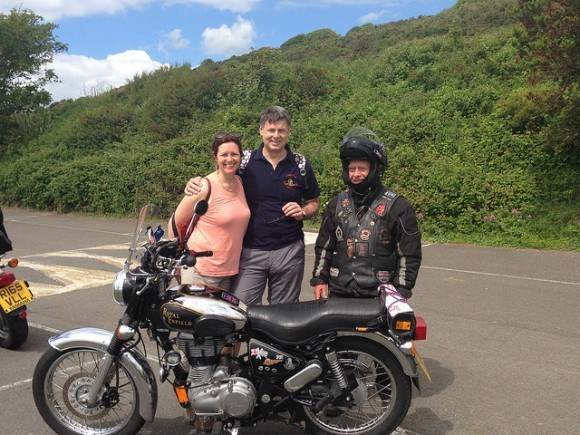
(281, 191)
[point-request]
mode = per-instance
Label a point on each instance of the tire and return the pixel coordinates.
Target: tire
(13, 331)
(381, 401)
(60, 377)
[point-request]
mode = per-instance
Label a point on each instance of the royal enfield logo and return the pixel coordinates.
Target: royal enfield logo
(173, 319)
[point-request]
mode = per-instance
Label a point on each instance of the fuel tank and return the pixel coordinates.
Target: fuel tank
(208, 312)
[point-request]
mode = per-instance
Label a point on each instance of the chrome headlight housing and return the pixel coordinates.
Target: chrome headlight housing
(123, 287)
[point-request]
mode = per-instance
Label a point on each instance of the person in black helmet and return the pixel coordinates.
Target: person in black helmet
(369, 234)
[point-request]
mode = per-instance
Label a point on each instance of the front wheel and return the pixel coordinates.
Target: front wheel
(381, 400)
(13, 331)
(62, 378)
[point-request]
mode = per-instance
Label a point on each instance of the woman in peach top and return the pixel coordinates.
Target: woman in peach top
(222, 228)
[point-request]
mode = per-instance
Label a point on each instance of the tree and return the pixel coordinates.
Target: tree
(26, 46)
(550, 43)
(552, 28)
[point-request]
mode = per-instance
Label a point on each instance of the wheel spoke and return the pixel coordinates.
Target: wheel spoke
(70, 377)
(373, 406)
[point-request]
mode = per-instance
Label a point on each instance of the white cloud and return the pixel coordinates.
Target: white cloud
(238, 6)
(52, 10)
(229, 41)
(82, 75)
(328, 3)
(372, 17)
(172, 40)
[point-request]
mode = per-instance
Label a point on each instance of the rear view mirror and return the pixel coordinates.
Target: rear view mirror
(201, 207)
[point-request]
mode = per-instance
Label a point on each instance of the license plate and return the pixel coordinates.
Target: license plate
(14, 296)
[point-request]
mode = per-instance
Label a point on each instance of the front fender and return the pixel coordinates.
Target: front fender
(133, 360)
(407, 362)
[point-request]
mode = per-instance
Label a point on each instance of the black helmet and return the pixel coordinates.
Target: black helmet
(356, 145)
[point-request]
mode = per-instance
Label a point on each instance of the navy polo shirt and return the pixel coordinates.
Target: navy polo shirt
(267, 191)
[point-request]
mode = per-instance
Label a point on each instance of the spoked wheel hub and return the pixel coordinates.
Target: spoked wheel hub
(76, 388)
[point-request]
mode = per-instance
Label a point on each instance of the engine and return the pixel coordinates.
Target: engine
(213, 391)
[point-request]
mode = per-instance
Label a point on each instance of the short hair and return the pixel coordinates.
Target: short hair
(275, 113)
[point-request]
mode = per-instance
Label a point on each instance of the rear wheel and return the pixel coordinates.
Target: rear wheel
(381, 400)
(60, 381)
(13, 331)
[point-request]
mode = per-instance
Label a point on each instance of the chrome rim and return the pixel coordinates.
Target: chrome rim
(374, 398)
(70, 377)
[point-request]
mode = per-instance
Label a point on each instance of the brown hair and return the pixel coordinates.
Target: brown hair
(223, 137)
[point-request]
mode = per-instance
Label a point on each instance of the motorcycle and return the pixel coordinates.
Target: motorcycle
(14, 295)
(326, 366)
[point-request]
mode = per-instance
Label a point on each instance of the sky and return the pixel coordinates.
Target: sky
(111, 41)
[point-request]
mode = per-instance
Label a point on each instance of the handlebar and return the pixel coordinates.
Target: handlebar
(204, 254)
(190, 258)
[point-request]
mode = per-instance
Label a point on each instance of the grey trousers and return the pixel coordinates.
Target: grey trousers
(282, 270)
(192, 276)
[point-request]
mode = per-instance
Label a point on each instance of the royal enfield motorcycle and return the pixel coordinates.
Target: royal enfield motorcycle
(326, 366)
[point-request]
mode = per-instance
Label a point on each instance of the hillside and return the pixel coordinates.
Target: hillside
(464, 128)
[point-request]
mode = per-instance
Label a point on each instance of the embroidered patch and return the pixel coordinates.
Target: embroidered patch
(384, 275)
(385, 236)
(350, 247)
(339, 234)
(362, 249)
(380, 209)
(365, 234)
(290, 181)
(345, 202)
(334, 272)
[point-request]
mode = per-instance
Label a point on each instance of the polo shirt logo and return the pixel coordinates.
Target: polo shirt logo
(290, 181)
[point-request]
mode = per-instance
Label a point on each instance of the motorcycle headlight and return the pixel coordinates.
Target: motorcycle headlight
(123, 287)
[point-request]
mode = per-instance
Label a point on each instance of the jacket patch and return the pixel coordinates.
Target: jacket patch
(362, 249)
(384, 275)
(350, 247)
(339, 234)
(385, 236)
(365, 235)
(381, 208)
(290, 181)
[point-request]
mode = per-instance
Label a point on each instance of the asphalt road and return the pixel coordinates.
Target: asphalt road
(503, 344)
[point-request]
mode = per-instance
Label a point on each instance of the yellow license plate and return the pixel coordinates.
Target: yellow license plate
(14, 296)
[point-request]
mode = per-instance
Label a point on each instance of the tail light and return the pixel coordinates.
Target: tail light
(420, 329)
(6, 278)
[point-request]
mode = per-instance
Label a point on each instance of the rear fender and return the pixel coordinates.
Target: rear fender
(134, 361)
(407, 362)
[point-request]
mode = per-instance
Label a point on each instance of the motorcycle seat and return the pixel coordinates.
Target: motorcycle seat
(300, 322)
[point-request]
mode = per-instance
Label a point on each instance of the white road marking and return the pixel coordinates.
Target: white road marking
(44, 328)
(499, 275)
(74, 278)
(15, 384)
